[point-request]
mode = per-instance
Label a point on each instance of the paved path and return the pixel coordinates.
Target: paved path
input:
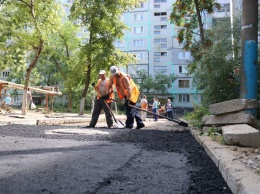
(238, 177)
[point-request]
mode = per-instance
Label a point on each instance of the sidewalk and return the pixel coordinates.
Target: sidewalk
(240, 178)
(39, 118)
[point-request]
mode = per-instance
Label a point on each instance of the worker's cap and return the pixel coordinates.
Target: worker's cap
(114, 70)
(101, 72)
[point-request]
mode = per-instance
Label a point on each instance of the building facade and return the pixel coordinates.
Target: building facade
(152, 40)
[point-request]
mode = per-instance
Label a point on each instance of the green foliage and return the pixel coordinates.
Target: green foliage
(213, 70)
(215, 135)
(160, 83)
(195, 117)
(25, 27)
(102, 20)
(187, 16)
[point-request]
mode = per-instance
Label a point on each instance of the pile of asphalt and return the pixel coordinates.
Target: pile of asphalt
(204, 176)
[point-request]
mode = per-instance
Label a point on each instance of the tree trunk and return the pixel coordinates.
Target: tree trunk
(27, 77)
(202, 37)
(70, 103)
(84, 93)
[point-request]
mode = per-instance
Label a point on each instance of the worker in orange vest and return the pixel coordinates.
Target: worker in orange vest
(126, 89)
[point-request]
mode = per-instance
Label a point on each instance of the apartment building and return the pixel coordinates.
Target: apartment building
(152, 40)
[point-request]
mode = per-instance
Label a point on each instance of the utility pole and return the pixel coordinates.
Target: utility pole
(249, 66)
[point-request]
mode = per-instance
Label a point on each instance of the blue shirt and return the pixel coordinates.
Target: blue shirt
(155, 104)
(7, 100)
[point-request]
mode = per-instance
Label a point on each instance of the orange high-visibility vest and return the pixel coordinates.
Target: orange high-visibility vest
(111, 96)
(135, 91)
(144, 105)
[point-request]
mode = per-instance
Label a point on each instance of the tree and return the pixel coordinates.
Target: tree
(63, 56)
(102, 19)
(187, 15)
(213, 71)
(159, 84)
(31, 22)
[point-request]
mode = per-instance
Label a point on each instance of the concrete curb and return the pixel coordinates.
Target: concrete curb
(19, 122)
(46, 121)
(239, 178)
(53, 121)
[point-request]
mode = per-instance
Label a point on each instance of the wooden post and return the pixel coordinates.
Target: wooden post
(47, 106)
(52, 101)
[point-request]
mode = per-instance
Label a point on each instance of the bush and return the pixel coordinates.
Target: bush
(195, 117)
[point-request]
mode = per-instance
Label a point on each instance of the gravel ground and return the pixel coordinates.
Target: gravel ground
(166, 142)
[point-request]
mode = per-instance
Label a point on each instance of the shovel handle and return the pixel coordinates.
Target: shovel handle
(182, 123)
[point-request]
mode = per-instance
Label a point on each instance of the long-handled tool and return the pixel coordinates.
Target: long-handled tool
(119, 124)
(182, 123)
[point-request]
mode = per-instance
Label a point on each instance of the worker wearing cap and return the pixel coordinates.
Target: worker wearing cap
(126, 89)
(103, 97)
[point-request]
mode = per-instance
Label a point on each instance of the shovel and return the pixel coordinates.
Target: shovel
(118, 123)
(182, 123)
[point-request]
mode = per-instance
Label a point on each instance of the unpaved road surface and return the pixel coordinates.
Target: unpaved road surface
(160, 159)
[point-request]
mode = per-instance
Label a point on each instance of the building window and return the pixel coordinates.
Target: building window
(160, 1)
(139, 56)
(157, 59)
(163, 53)
(157, 40)
(138, 17)
(217, 21)
(5, 74)
(184, 83)
(163, 26)
(184, 98)
(160, 13)
(163, 45)
(162, 42)
(224, 8)
(160, 53)
(119, 43)
(160, 27)
(138, 43)
(139, 30)
(157, 32)
(158, 69)
(141, 5)
(182, 69)
(156, 6)
(163, 18)
(184, 55)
